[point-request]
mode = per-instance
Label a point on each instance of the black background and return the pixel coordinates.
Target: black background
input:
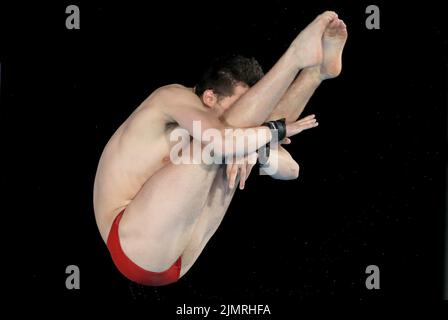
(372, 183)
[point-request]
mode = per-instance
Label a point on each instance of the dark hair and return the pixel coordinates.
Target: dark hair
(224, 73)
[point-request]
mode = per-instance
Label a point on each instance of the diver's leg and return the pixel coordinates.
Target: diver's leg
(255, 106)
(158, 223)
(295, 99)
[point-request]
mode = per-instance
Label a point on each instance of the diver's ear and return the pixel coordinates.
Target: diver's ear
(209, 98)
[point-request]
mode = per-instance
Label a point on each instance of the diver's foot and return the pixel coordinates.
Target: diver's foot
(308, 44)
(333, 41)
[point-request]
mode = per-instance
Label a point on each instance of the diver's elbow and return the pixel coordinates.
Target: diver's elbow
(294, 171)
(290, 172)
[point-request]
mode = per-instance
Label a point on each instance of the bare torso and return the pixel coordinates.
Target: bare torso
(139, 148)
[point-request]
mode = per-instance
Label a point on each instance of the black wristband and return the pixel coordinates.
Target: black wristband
(277, 126)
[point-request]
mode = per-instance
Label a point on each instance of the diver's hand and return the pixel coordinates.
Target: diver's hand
(301, 125)
(242, 166)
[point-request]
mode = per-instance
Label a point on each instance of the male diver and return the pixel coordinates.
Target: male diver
(157, 216)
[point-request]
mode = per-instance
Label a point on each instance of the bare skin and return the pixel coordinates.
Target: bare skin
(173, 210)
(295, 99)
(298, 94)
(305, 51)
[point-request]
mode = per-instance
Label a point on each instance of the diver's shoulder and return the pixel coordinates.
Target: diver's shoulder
(176, 89)
(177, 93)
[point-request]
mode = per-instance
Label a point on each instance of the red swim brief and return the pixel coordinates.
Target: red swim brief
(132, 271)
